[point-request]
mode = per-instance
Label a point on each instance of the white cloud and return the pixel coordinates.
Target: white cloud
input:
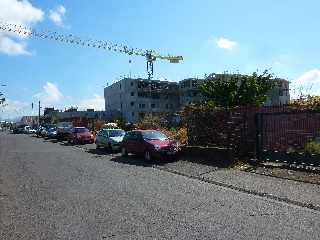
(15, 109)
(50, 94)
(307, 83)
(97, 103)
(57, 15)
(11, 47)
(21, 13)
(225, 43)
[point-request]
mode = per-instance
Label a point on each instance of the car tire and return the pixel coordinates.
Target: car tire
(147, 156)
(74, 141)
(124, 152)
(109, 148)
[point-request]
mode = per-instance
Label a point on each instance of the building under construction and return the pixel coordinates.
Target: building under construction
(136, 97)
(133, 98)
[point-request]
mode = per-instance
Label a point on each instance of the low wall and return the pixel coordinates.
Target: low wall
(216, 156)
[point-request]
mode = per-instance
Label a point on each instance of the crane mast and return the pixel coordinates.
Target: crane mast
(150, 55)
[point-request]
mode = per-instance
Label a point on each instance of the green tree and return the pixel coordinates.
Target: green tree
(231, 90)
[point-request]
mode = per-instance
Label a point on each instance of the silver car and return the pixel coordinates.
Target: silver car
(109, 138)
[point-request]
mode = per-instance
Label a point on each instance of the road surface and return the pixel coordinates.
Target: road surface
(53, 191)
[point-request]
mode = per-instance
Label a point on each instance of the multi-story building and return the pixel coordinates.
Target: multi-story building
(133, 98)
(189, 91)
(136, 97)
(279, 95)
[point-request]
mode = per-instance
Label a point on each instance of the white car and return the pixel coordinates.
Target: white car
(110, 139)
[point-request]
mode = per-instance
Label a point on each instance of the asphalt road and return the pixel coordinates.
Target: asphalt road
(53, 191)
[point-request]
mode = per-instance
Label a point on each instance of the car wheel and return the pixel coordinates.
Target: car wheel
(124, 152)
(147, 156)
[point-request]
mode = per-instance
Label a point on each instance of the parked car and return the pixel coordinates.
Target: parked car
(64, 130)
(45, 130)
(19, 129)
(28, 130)
(52, 133)
(38, 131)
(151, 144)
(80, 135)
(110, 138)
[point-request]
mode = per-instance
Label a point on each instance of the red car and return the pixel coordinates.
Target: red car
(149, 143)
(80, 135)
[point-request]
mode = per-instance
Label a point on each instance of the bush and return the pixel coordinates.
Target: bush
(178, 134)
(312, 148)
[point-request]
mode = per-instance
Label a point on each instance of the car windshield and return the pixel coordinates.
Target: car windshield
(154, 135)
(52, 129)
(81, 130)
(116, 133)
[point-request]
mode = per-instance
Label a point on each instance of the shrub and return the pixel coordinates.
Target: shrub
(178, 134)
(312, 147)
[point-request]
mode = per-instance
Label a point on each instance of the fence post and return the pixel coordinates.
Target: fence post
(258, 123)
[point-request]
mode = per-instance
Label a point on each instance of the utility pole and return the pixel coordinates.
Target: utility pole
(39, 115)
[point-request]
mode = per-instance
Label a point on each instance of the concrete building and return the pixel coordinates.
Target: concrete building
(280, 95)
(189, 91)
(133, 98)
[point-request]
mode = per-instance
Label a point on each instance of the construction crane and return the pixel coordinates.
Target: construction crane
(150, 55)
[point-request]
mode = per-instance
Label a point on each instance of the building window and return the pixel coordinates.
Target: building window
(132, 114)
(167, 106)
(132, 104)
(131, 83)
(120, 85)
(153, 105)
(142, 105)
(121, 105)
(132, 94)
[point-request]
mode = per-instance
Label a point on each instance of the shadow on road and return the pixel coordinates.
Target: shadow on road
(99, 151)
(51, 140)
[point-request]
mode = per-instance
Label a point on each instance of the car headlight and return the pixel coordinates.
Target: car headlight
(157, 147)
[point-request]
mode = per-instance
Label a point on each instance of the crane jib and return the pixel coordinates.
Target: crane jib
(150, 55)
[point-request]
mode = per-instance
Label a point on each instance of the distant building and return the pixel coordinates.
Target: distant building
(48, 111)
(31, 120)
(280, 95)
(79, 117)
(189, 91)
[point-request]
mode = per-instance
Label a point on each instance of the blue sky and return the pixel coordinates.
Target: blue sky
(212, 36)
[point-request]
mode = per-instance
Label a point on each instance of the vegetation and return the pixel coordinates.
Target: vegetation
(307, 102)
(231, 90)
(160, 122)
(312, 147)
(150, 121)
